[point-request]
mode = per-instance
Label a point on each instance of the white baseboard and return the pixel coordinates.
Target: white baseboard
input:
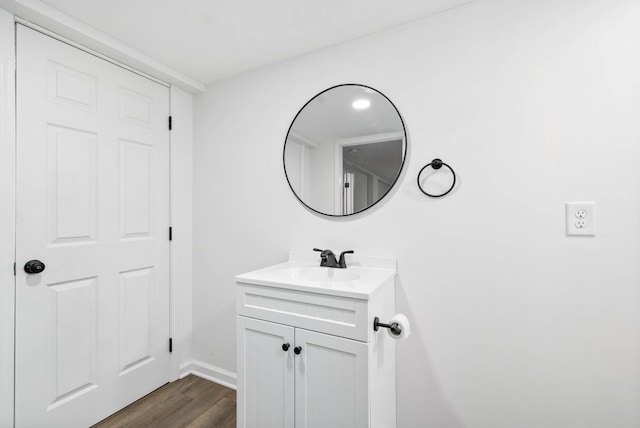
(209, 372)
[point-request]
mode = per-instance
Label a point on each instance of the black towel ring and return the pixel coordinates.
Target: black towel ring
(437, 164)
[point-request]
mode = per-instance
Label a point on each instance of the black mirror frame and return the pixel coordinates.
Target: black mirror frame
(404, 155)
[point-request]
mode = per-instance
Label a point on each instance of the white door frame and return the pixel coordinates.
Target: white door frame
(306, 144)
(7, 214)
(181, 208)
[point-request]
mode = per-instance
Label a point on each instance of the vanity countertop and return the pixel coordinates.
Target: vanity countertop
(360, 280)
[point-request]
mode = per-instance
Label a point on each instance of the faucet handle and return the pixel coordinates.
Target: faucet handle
(343, 263)
(323, 255)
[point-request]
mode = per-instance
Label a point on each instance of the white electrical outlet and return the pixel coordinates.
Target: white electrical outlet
(581, 218)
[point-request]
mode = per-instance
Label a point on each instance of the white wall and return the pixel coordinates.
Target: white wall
(533, 103)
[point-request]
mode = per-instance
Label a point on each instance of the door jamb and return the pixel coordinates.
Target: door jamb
(7, 215)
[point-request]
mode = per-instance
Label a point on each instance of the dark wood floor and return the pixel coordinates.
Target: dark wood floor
(191, 402)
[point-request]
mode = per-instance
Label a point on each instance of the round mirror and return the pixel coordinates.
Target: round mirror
(344, 150)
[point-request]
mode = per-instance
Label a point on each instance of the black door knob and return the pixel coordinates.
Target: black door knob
(34, 266)
(297, 350)
(285, 347)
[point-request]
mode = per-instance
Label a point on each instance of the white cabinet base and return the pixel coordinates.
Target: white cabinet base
(308, 356)
(333, 381)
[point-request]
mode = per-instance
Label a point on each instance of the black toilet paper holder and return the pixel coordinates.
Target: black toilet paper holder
(394, 327)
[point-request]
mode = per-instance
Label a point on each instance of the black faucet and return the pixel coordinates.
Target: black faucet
(328, 259)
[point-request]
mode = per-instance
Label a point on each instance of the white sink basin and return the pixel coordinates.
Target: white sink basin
(362, 277)
(318, 273)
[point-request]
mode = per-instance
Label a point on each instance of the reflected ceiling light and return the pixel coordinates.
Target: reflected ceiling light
(361, 104)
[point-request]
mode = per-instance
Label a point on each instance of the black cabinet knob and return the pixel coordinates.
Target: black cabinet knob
(285, 347)
(34, 266)
(297, 350)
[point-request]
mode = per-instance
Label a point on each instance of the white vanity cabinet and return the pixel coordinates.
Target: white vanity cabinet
(307, 353)
(325, 385)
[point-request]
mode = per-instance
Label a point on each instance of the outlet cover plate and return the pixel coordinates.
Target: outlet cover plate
(580, 218)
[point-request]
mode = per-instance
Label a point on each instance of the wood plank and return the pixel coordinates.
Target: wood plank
(191, 402)
(221, 414)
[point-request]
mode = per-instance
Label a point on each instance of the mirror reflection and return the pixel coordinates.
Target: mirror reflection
(344, 150)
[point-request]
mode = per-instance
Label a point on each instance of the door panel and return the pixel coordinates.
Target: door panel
(73, 326)
(72, 163)
(136, 320)
(331, 382)
(93, 204)
(135, 195)
(265, 374)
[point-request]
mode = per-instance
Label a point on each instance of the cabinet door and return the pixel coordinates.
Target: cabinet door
(331, 382)
(265, 374)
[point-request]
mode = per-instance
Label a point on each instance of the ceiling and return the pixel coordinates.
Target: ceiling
(330, 116)
(209, 40)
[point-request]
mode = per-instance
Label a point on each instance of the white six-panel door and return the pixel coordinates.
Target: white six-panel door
(93, 205)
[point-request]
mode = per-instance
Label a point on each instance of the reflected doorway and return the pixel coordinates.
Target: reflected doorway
(368, 170)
